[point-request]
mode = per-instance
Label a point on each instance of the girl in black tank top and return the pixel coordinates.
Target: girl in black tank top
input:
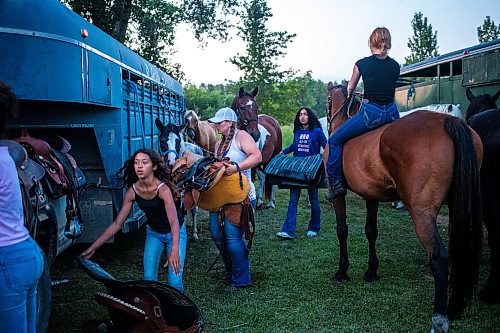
(143, 174)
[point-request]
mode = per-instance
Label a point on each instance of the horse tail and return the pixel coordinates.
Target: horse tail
(464, 203)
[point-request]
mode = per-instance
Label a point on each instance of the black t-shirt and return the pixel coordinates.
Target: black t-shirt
(379, 78)
(155, 213)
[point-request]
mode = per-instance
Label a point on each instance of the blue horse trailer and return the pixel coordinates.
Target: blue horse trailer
(74, 80)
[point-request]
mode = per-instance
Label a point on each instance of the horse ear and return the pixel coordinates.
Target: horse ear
(495, 97)
(254, 92)
(179, 128)
(241, 92)
(159, 124)
(469, 94)
(329, 86)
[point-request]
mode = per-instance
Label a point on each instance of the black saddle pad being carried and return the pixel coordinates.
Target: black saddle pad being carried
(296, 172)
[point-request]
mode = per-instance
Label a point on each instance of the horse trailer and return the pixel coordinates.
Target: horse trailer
(75, 81)
(444, 79)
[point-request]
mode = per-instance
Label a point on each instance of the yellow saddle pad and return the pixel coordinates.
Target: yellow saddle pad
(226, 191)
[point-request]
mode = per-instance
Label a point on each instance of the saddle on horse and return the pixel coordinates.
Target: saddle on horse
(144, 306)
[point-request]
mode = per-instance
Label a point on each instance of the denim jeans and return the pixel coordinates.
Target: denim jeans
(291, 215)
(155, 244)
(236, 260)
(21, 266)
(369, 117)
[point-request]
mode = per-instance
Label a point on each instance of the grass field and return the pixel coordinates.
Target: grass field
(293, 289)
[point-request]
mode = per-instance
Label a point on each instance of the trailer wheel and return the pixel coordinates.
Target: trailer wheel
(43, 299)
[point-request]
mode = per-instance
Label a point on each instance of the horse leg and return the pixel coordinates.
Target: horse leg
(272, 203)
(342, 232)
(429, 237)
(260, 189)
(491, 216)
(194, 214)
(371, 232)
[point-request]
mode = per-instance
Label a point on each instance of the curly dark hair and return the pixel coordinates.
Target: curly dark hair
(8, 104)
(130, 177)
(313, 120)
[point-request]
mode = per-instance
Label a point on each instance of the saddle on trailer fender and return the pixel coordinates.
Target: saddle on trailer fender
(30, 173)
(144, 306)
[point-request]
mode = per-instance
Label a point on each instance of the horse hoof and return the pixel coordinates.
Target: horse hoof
(259, 207)
(370, 277)
(271, 206)
(194, 240)
(341, 277)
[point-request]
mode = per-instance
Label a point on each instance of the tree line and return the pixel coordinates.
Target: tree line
(148, 27)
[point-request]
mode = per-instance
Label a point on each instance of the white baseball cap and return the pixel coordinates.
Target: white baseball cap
(224, 114)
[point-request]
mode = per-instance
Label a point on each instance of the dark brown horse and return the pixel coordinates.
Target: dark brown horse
(424, 159)
(484, 117)
(266, 132)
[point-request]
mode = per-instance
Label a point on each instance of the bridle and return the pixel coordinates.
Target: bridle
(347, 102)
(244, 121)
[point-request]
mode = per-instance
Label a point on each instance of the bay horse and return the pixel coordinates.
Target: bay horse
(484, 117)
(200, 132)
(269, 140)
(172, 146)
(424, 159)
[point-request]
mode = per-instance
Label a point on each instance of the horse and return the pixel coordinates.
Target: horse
(424, 159)
(484, 117)
(199, 132)
(172, 146)
(246, 108)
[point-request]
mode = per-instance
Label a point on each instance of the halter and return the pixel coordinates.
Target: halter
(171, 151)
(245, 122)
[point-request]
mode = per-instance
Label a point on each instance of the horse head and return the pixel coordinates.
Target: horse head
(246, 108)
(170, 140)
(340, 108)
(480, 103)
(192, 121)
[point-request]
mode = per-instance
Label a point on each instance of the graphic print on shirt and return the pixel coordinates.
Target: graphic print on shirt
(304, 143)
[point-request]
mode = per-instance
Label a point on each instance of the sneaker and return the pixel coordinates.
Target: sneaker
(311, 234)
(284, 235)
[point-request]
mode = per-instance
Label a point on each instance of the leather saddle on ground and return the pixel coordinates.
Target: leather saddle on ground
(144, 306)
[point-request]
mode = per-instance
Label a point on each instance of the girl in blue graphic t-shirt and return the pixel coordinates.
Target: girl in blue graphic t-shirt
(308, 139)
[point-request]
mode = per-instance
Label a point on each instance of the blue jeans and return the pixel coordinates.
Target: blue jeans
(369, 117)
(291, 215)
(236, 260)
(155, 244)
(21, 266)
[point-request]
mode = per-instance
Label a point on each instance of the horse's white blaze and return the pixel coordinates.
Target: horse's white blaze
(249, 103)
(171, 156)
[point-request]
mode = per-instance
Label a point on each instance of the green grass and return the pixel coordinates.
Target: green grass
(287, 134)
(293, 289)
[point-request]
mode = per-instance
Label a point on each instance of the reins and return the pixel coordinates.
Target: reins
(348, 101)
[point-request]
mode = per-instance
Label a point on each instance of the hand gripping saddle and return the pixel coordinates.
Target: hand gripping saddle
(142, 306)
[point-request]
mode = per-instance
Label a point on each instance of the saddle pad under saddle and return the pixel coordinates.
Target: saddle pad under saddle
(296, 172)
(227, 190)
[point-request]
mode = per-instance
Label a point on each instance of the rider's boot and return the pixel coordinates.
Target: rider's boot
(336, 189)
